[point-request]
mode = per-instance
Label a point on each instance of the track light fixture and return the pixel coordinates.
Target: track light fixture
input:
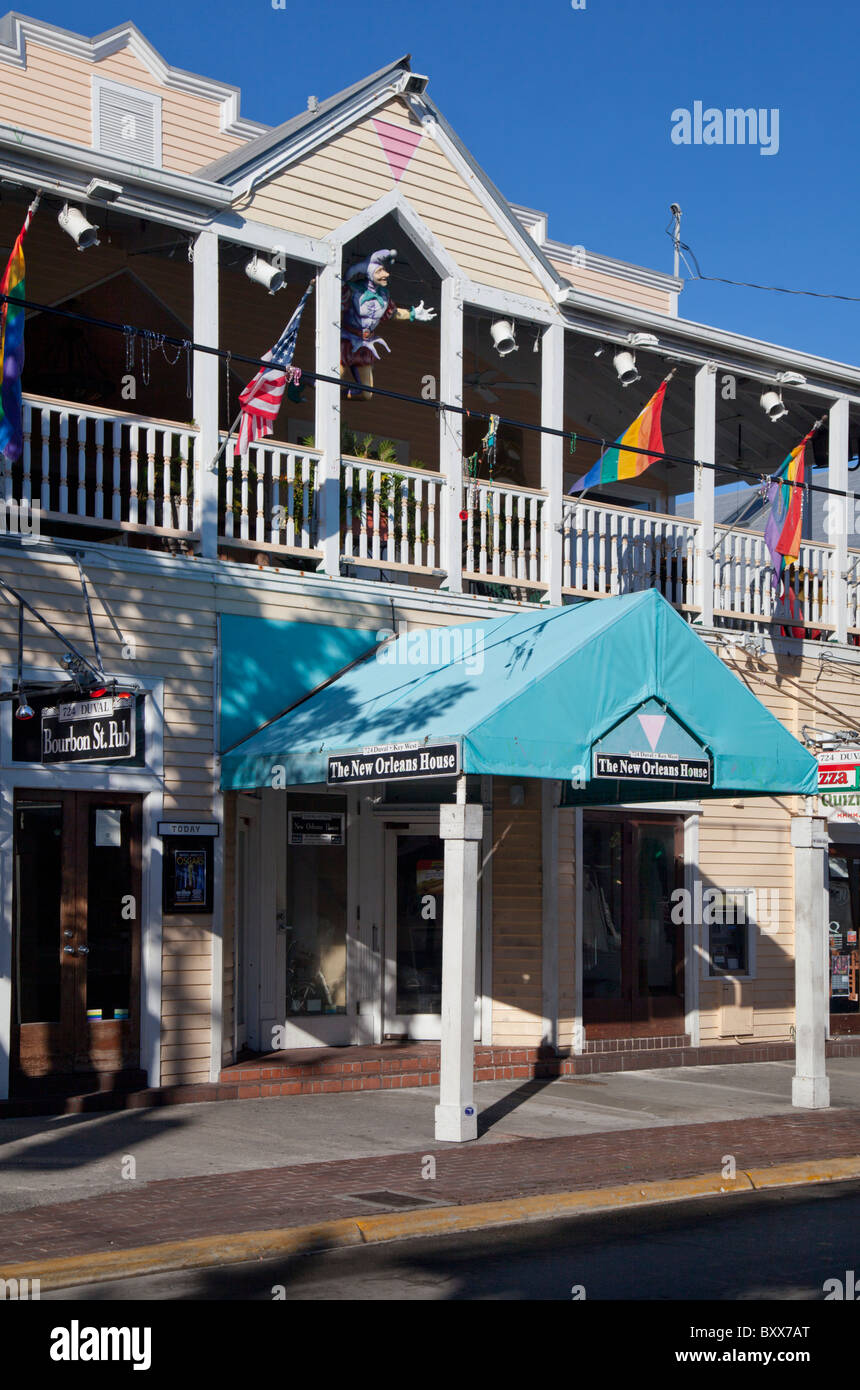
(772, 404)
(271, 277)
(625, 365)
(75, 225)
(503, 336)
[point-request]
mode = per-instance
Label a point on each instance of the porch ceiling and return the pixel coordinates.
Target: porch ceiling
(529, 695)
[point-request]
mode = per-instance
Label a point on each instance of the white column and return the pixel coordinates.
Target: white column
(550, 792)
(327, 410)
(705, 450)
(461, 827)
(810, 1087)
(837, 477)
(451, 434)
(206, 373)
(552, 457)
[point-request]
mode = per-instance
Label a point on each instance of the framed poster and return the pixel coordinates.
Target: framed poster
(187, 876)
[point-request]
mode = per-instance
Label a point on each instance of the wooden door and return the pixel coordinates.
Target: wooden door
(76, 953)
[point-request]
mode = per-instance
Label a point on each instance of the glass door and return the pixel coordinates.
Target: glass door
(632, 952)
(414, 920)
(77, 909)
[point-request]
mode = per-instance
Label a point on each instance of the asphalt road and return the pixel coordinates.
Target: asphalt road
(757, 1246)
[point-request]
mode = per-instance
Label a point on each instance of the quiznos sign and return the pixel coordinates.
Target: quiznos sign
(88, 730)
(394, 762)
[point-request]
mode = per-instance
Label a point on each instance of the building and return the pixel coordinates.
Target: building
(161, 920)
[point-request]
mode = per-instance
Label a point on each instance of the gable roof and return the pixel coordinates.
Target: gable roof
(232, 166)
(16, 30)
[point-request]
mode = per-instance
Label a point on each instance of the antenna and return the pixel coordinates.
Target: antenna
(676, 237)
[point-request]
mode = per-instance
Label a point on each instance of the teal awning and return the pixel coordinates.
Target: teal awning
(549, 694)
(266, 665)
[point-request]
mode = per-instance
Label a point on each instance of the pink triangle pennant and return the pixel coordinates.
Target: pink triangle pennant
(399, 145)
(652, 725)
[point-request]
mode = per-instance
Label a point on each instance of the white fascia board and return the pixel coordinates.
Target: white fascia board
(706, 344)
(121, 37)
(89, 162)
(299, 146)
(169, 213)
(260, 236)
(506, 302)
(395, 203)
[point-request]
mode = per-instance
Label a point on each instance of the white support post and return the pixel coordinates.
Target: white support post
(451, 434)
(705, 450)
(810, 1088)
(206, 374)
(327, 409)
(552, 458)
(550, 792)
(837, 477)
(461, 827)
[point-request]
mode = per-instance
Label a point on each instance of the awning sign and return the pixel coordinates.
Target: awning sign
(650, 745)
(394, 762)
(839, 784)
(86, 731)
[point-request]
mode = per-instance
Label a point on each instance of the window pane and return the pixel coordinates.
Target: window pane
(316, 918)
(601, 910)
(109, 907)
(420, 892)
(38, 888)
(655, 880)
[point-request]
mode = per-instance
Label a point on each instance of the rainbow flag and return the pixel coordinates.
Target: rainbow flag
(12, 347)
(785, 495)
(619, 463)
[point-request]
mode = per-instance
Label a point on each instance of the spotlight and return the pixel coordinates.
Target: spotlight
(265, 274)
(791, 378)
(642, 339)
(24, 711)
(75, 225)
(625, 365)
(504, 340)
(772, 404)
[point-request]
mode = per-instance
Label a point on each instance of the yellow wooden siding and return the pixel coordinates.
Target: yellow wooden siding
(53, 96)
(350, 172)
(616, 287)
(517, 909)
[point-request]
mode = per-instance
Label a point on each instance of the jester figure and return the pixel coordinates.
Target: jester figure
(365, 305)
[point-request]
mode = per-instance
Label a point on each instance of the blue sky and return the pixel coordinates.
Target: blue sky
(570, 111)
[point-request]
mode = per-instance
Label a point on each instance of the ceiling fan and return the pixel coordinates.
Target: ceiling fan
(485, 386)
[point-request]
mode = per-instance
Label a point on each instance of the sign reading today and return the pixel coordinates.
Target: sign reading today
(393, 762)
(86, 731)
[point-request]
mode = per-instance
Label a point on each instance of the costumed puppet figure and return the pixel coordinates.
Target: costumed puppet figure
(365, 305)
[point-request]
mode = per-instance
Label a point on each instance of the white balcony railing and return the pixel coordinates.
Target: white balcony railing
(107, 468)
(268, 497)
(503, 532)
(389, 515)
(115, 471)
(618, 550)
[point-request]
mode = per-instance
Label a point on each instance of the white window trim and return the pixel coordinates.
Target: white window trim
(101, 84)
(752, 925)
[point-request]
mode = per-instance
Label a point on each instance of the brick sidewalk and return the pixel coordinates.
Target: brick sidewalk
(267, 1199)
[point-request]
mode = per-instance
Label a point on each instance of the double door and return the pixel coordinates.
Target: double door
(76, 948)
(633, 953)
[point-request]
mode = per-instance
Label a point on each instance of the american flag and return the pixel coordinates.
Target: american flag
(261, 398)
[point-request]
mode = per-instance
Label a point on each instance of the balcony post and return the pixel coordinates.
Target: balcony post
(705, 451)
(327, 413)
(552, 459)
(205, 400)
(451, 434)
(842, 511)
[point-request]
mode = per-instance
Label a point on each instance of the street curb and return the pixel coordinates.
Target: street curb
(211, 1251)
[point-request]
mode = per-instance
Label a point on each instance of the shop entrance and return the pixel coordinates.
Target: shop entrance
(76, 948)
(633, 953)
(844, 956)
(414, 916)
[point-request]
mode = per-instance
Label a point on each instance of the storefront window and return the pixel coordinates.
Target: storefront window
(844, 958)
(602, 901)
(420, 884)
(316, 905)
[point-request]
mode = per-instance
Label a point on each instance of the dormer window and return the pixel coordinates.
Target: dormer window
(126, 122)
